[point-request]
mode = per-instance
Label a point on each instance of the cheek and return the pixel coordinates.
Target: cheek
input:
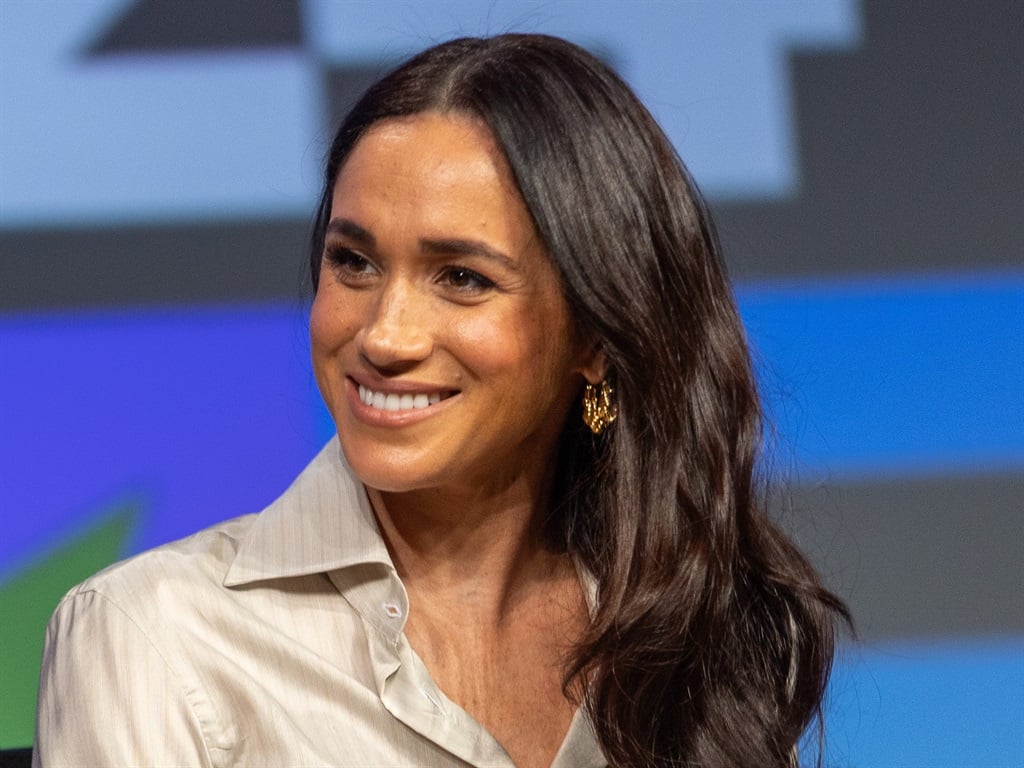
(527, 346)
(332, 323)
(492, 344)
(319, 323)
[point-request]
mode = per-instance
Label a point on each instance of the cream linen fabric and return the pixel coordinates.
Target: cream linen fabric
(269, 640)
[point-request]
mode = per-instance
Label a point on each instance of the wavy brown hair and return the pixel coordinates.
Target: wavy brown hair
(713, 637)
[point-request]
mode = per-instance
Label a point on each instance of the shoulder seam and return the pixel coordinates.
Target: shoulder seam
(188, 693)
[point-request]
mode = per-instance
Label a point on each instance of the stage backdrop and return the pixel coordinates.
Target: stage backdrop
(159, 164)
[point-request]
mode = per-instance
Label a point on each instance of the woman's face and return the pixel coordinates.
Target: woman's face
(441, 341)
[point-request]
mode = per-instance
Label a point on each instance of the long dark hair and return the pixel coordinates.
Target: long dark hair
(712, 638)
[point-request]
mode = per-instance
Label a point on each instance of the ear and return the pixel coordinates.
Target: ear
(594, 365)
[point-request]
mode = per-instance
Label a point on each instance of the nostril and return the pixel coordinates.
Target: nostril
(388, 367)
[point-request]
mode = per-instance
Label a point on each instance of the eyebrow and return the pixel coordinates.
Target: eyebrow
(351, 230)
(448, 246)
(462, 247)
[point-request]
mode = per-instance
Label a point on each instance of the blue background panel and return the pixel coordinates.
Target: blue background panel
(892, 377)
(202, 413)
(945, 704)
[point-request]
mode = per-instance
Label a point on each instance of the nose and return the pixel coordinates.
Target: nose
(396, 330)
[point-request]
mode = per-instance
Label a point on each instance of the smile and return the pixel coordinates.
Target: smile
(394, 402)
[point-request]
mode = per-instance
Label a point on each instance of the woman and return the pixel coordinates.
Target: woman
(541, 539)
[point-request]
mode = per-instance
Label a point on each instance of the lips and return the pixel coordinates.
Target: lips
(390, 401)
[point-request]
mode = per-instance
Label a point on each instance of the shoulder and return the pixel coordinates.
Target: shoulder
(126, 645)
(149, 608)
(183, 570)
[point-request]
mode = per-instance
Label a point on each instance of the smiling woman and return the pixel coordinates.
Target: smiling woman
(537, 539)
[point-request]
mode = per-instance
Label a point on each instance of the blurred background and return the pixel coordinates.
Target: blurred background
(159, 166)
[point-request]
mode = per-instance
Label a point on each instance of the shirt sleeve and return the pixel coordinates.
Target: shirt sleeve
(107, 695)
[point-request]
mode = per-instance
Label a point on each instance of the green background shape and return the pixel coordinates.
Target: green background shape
(29, 597)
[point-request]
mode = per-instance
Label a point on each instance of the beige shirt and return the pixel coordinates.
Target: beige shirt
(268, 640)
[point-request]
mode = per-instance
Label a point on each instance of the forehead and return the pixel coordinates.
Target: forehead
(434, 149)
(435, 173)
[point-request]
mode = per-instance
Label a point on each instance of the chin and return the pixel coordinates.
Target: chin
(383, 471)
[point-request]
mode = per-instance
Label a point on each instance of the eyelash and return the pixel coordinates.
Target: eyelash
(465, 280)
(345, 261)
(356, 267)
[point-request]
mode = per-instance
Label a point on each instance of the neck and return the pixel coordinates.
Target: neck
(479, 551)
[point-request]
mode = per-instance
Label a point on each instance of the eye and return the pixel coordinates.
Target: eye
(465, 280)
(349, 265)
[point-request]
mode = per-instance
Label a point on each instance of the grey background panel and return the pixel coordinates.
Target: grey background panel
(78, 267)
(171, 25)
(919, 557)
(911, 150)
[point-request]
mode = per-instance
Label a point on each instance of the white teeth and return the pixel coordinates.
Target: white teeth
(393, 402)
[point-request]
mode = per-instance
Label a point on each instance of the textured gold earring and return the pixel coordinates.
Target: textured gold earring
(598, 408)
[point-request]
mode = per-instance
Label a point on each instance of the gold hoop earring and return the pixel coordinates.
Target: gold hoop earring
(598, 408)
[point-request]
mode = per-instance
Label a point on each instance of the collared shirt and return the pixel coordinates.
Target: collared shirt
(268, 640)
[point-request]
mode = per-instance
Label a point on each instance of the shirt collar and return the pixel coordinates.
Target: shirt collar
(323, 522)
